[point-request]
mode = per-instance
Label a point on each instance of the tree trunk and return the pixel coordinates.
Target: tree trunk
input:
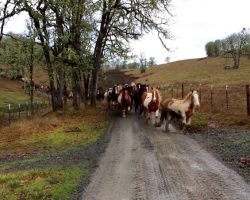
(60, 86)
(75, 89)
(31, 78)
(94, 81)
(86, 85)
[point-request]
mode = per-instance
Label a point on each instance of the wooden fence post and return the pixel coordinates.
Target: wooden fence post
(19, 110)
(190, 87)
(227, 97)
(9, 112)
(211, 97)
(177, 91)
(248, 99)
(172, 91)
(182, 90)
(200, 93)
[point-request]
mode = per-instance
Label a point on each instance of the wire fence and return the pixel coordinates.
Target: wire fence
(220, 99)
(14, 112)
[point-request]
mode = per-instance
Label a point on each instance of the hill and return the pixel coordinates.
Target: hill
(11, 92)
(203, 70)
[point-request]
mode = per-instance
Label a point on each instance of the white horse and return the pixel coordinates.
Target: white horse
(181, 109)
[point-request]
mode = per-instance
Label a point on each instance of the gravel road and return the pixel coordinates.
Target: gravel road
(143, 162)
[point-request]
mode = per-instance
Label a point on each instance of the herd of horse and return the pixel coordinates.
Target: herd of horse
(148, 101)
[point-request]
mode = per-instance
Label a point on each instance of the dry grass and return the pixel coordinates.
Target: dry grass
(205, 71)
(40, 135)
(40, 74)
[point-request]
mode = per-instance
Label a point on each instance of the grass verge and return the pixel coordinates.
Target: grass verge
(49, 158)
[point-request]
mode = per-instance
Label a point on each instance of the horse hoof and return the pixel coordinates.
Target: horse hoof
(157, 125)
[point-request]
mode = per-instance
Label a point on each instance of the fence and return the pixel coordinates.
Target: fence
(13, 112)
(219, 99)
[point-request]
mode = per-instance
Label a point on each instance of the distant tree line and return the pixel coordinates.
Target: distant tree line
(235, 44)
(134, 64)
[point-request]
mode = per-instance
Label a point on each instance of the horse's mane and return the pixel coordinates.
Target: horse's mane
(187, 96)
(158, 93)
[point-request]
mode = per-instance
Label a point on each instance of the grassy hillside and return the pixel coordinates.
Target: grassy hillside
(11, 92)
(205, 71)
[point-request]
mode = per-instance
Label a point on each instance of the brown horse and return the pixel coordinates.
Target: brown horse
(151, 104)
(124, 101)
(179, 109)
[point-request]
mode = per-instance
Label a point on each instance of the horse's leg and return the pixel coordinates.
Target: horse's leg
(183, 118)
(146, 115)
(168, 119)
(188, 120)
(162, 117)
(123, 112)
(153, 117)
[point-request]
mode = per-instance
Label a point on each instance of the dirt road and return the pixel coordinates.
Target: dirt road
(142, 162)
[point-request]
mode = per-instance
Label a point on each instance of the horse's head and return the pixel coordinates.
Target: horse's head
(195, 99)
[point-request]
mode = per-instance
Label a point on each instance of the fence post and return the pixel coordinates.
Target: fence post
(177, 91)
(190, 87)
(227, 97)
(9, 113)
(248, 99)
(19, 110)
(211, 97)
(200, 92)
(27, 109)
(182, 90)
(172, 90)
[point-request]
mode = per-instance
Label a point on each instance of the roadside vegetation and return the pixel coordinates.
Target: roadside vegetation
(48, 158)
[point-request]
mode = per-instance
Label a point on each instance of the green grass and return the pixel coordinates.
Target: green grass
(29, 174)
(46, 183)
(199, 121)
(59, 139)
(11, 92)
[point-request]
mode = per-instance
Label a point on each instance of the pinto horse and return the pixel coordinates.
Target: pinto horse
(151, 103)
(124, 100)
(179, 109)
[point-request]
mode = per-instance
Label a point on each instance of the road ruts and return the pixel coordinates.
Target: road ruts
(144, 163)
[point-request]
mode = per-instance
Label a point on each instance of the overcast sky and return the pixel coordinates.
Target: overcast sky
(195, 23)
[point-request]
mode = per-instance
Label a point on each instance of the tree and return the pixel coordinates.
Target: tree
(8, 8)
(218, 47)
(210, 49)
(143, 63)
(151, 61)
(120, 21)
(167, 59)
(62, 31)
(234, 44)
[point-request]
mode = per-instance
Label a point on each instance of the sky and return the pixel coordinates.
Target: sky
(194, 23)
